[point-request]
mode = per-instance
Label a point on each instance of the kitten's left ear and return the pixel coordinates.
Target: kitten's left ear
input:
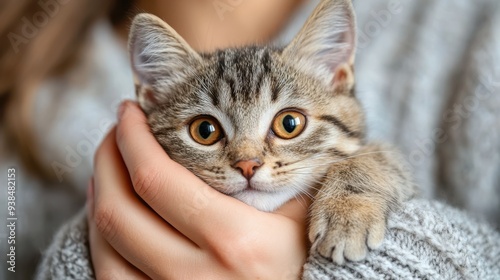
(161, 59)
(326, 45)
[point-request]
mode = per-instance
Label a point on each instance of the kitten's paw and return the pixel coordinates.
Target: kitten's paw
(345, 238)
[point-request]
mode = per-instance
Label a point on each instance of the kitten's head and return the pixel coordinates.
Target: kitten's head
(258, 123)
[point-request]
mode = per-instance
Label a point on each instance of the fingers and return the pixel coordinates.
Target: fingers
(181, 198)
(235, 235)
(107, 263)
(129, 226)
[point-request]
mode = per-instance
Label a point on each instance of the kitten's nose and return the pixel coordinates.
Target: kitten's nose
(247, 167)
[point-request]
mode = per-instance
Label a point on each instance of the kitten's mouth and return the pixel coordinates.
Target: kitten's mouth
(247, 189)
(250, 189)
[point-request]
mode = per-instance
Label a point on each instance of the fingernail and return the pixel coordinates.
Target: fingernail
(121, 109)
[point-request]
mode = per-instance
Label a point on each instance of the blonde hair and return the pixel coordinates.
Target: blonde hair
(39, 39)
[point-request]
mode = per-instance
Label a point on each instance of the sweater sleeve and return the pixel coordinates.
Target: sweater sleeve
(68, 257)
(425, 240)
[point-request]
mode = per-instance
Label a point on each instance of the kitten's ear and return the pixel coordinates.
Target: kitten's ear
(160, 58)
(326, 45)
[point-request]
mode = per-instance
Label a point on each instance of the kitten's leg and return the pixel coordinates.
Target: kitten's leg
(349, 213)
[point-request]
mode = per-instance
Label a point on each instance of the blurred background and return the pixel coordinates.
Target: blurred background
(428, 74)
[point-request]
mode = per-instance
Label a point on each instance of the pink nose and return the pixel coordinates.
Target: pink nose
(247, 167)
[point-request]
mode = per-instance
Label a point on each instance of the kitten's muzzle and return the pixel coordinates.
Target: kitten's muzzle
(247, 167)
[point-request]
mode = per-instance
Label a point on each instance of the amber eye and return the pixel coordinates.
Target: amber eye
(205, 130)
(289, 124)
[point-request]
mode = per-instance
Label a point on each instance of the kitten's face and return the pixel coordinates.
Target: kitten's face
(253, 123)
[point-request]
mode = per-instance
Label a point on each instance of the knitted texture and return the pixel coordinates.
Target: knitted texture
(426, 240)
(68, 257)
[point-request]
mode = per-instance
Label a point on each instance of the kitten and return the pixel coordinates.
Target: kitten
(265, 124)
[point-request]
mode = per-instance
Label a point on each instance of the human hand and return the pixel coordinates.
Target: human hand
(149, 217)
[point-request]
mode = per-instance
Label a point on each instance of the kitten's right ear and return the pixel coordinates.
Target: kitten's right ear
(161, 59)
(325, 47)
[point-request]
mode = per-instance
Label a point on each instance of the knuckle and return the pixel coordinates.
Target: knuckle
(241, 250)
(105, 220)
(146, 181)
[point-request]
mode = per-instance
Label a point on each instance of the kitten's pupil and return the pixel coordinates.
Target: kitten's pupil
(206, 129)
(289, 123)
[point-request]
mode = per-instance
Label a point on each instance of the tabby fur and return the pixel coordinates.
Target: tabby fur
(354, 184)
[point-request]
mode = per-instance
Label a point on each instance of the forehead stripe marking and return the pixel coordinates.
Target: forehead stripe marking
(275, 89)
(266, 62)
(214, 93)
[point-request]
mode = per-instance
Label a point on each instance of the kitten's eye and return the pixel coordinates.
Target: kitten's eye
(205, 130)
(289, 124)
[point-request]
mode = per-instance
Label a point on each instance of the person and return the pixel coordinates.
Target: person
(398, 72)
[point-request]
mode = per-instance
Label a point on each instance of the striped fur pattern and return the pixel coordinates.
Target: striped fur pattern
(355, 184)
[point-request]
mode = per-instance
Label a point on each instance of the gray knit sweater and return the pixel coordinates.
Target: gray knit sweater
(426, 240)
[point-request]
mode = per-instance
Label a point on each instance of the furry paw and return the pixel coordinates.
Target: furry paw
(346, 234)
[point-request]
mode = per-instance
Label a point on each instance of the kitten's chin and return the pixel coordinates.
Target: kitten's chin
(264, 201)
